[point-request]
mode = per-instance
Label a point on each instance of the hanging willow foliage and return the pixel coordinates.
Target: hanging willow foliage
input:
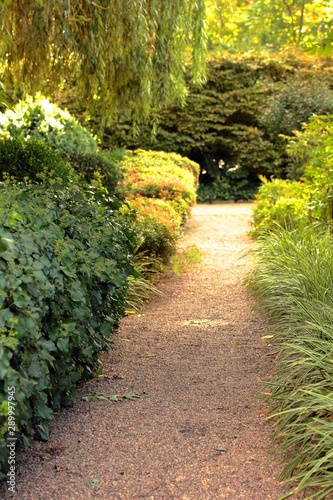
(124, 56)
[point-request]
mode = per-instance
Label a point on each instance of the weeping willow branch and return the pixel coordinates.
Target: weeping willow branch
(126, 57)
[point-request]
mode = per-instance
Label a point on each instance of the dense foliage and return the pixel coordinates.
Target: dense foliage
(161, 187)
(33, 160)
(33, 122)
(121, 57)
(292, 203)
(292, 281)
(64, 260)
(38, 118)
(232, 127)
(239, 25)
(70, 225)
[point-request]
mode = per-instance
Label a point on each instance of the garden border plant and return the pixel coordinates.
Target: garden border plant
(65, 259)
(292, 281)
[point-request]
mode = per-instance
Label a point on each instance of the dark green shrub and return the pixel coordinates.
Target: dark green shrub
(64, 263)
(222, 121)
(294, 104)
(31, 159)
(91, 167)
(232, 184)
(40, 119)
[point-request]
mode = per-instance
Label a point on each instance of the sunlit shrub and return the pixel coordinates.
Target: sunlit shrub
(164, 176)
(157, 224)
(40, 119)
(282, 203)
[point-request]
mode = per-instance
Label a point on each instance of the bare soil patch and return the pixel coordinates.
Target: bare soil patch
(197, 353)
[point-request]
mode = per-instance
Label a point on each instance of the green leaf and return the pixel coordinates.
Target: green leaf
(43, 431)
(63, 344)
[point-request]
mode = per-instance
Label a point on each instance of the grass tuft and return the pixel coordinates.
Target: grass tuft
(293, 283)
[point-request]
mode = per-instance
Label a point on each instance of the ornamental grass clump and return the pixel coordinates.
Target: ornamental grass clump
(293, 284)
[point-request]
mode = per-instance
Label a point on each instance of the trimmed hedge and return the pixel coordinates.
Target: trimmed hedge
(64, 262)
(158, 225)
(161, 188)
(96, 168)
(32, 159)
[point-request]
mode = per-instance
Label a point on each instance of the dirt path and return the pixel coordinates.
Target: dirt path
(197, 353)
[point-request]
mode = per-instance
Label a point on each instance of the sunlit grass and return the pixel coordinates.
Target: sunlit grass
(141, 285)
(293, 284)
(184, 260)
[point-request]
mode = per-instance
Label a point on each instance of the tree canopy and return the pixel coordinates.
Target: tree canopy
(253, 25)
(123, 56)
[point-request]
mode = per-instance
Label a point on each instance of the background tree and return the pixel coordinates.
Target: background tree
(124, 56)
(243, 25)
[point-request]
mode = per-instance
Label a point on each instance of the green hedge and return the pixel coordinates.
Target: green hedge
(64, 263)
(96, 167)
(32, 159)
(161, 188)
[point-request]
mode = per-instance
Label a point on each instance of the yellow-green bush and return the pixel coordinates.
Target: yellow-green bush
(157, 224)
(161, 188)
(156, 174)
(283, 203)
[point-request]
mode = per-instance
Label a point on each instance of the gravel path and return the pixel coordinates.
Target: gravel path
(197, 353)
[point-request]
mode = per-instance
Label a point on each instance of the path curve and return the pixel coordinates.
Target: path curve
(198, 355)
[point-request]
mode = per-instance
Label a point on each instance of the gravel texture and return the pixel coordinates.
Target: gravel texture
(196, 353)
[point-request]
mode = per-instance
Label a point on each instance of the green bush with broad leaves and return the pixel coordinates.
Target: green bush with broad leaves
(38, 118)
(65, 256)
(33, 160)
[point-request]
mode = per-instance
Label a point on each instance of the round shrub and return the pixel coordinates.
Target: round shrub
(160, 175)
(31, 159)
(38, 118)
(90, 166)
